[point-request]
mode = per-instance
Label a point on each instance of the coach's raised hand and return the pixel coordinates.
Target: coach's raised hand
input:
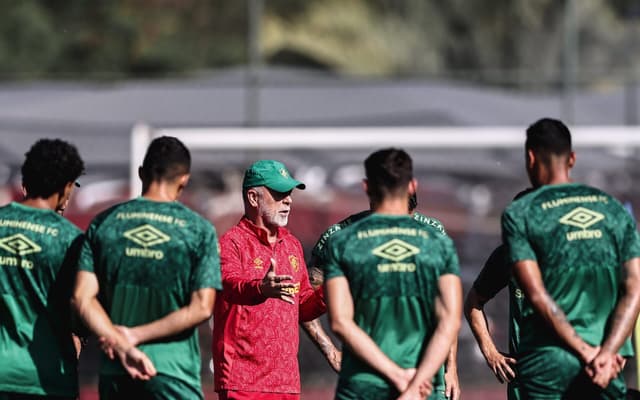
(274, 286)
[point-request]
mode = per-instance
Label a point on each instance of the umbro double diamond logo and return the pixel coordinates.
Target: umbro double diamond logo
(581, 217)
(19, 244)
(146, 236)
(395, 250)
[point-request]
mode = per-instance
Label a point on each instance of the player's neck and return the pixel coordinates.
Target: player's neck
(555, 176)
(46, 204)
(161, 192)
(392, 206)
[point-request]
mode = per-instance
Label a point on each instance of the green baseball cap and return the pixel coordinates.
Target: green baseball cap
(272, 174)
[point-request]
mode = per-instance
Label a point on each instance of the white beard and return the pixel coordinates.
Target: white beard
(272, 217)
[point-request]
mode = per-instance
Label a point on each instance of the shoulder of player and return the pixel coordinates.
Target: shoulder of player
(341, 225)
(69, 227)
(429, 221)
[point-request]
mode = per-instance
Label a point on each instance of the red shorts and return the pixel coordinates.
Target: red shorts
(243, 395)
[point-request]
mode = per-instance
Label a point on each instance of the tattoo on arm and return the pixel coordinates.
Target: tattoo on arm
(315, 332)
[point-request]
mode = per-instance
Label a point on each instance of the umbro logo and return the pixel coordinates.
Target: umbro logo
(395, 250)
(581, 217)
(146, 236)
(19, 244)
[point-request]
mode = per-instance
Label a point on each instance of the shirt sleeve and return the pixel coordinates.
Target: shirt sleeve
(451, 264)
(206, 271)
(331, 266)
(319, 251)
(514, 236)
(86, 260)
(236, 289)
(630, 241)
(495, 274)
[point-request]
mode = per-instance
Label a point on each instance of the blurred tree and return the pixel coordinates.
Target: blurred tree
(28, 44)
(511, 42)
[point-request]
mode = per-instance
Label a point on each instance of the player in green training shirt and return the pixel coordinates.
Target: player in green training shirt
(393, 289)
(152, 265)
(494, 276)
(446, 384)
(576, 256)
(38, 251)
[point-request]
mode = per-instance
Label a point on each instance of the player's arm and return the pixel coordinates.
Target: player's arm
(198, 310)
(85, 303)
(604, 366)
(501, 365)
(314, 328)
(451, 381)
(527, 273)
(323, 342)
(341, 313)
(626, 311)
(448, 313)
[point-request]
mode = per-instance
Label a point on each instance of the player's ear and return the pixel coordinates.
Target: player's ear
(530, 158)
(365, 186)
(413, 186)
(572, 159)
(183, 180)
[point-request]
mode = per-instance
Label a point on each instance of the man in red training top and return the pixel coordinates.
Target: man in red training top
(266, 293)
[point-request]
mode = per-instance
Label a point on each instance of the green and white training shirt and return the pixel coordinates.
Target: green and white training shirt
(580, 237)
(38, 256)
(149, 257)
(393, 264)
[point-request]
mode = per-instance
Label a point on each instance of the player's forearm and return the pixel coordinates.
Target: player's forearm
(452, 363)
(319, 337)
(198, 310)
(365, 348)
(96, 319)
(626, 311)
(438, 349)
(550, 312)
(172, 324)
(474, 313)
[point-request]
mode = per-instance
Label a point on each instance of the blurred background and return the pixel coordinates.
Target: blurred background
(90, 71)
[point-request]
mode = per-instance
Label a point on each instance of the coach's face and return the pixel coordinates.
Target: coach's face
(274, 207)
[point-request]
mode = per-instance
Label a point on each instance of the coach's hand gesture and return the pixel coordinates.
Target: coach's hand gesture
(274, 286)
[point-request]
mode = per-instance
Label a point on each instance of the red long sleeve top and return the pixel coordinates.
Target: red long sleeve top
(255, 340)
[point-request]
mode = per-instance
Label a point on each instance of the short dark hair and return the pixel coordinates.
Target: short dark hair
(387, 171)
(548, 137)
(166, 159)
(49, 165)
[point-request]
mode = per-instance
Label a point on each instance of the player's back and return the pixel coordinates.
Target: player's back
(149, 257)
(38, 251)
(579, 236)
(393, 264)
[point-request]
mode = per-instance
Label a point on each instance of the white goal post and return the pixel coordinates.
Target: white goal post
(618, 137)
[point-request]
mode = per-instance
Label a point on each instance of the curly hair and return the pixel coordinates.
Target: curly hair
(49, 165)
